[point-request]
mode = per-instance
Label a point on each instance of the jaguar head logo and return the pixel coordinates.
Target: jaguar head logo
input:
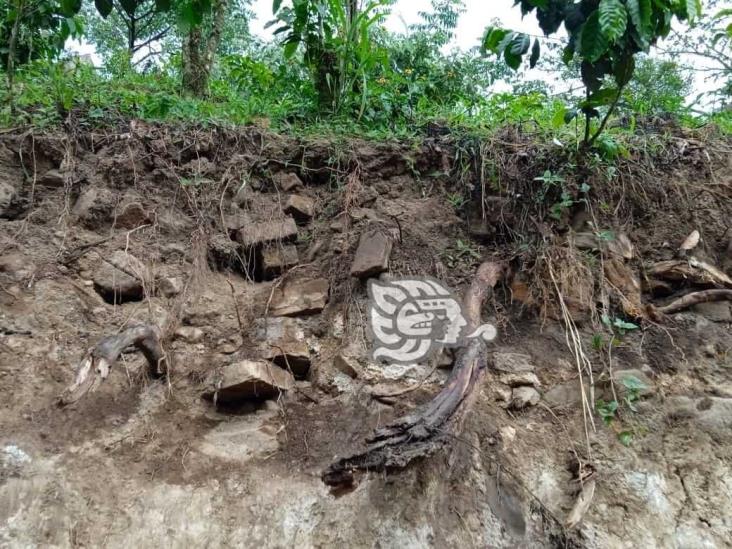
(410, 318)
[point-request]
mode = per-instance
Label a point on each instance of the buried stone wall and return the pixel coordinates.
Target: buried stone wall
(249, 253)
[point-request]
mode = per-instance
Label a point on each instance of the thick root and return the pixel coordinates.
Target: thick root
(417, 436)
(96, 364)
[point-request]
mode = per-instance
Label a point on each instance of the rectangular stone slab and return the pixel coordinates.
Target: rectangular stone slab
(300, 297)
(372, 255)
(263, 232)
(248, 380)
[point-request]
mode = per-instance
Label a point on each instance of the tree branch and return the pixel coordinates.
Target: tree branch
(152, 39)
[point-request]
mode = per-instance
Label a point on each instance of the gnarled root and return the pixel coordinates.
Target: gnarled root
(420, 435)
(690, 300)
(96, 364)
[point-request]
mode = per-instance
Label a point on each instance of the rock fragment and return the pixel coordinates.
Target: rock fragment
(523, 397)
(716, 311)
(512, 362)
(224, 253)
(291, 355)
(16, 266)
(300, 297)
(94, 207)
(189, 334)
(52, 178)
(7, 195)
(277, 259)
(120, 278)
(520, 379)
(131, 216)
(248, 380)
(372, 255)
(301, 208)
(347, 364)
(255, 234)
(170, 286)
(234, 222)
(282, 341)
(287, 181)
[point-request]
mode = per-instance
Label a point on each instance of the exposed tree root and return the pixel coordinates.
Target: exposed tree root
(420, 435)
(691, 270)
(96, 364)
(693, 299)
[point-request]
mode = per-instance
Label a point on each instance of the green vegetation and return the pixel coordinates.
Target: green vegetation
(610, 411)
(334, 67)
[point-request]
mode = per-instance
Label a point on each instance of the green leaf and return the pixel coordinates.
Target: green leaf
(129, 6)
(276, 6)
(162, 5)
(550, 16)
(535, 53)
(558, 118)
(601, 98)
(693, 9)
(70, 7)
(623, 325)
(568, 54)
(593, 74)
(104, 7)
(574, 18)
(493, 37)
(593, 43)
(607, 236)
(633, 383)
(623, 69)
(613, 19)
(520, 44)
(640, 15)
(290, 49)
(625, 437)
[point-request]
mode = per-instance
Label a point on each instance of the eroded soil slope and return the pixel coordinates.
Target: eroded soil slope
(240, 246)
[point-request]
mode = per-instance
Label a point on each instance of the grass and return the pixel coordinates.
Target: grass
(46, 94)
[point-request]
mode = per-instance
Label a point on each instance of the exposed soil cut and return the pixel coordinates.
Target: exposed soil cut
(247, 251)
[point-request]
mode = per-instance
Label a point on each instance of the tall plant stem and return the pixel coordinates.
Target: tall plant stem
(605, 120)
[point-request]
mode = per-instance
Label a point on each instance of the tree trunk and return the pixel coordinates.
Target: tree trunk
(12, 45)
(131, 37)
(199, 52)
(195, 79)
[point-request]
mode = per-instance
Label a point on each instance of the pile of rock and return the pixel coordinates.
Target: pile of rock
(283, 350)
(519, 385)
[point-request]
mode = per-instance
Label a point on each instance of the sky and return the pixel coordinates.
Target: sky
(471, 24)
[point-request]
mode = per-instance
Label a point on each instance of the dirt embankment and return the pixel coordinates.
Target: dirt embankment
(240, 246)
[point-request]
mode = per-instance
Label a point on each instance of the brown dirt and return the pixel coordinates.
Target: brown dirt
(146, 462)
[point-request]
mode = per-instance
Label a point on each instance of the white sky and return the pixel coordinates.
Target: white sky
(470, 25)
